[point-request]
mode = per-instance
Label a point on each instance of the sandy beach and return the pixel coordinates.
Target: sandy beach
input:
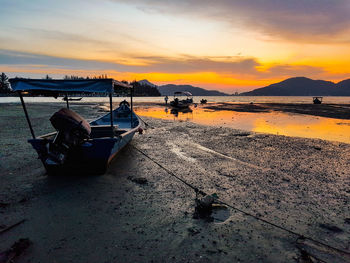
(139, 212)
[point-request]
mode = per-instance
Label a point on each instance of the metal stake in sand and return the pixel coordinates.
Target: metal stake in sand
(26, 113)
(131, 102)
(66, 97)
(111, 112)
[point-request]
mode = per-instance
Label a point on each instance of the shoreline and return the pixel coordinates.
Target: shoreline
(329, 110)
(336, 111)
(300, 184)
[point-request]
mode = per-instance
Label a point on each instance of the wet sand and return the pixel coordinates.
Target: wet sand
(337, 111)
(137, 212)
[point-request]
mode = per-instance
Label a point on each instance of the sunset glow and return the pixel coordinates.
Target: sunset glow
(271, 122)
(225, 45)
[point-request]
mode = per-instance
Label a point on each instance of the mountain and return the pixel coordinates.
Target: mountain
(343, 88)
(144, 88)
(145, 82)
(301, 86)
(169, 89)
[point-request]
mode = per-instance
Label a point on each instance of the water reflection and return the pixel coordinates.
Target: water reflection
(298, 125)
(166, 113)
(196, 99)
(186, 113)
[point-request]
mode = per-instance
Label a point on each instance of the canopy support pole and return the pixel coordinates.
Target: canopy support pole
(66, 97)
(26, 113)
(111, 112)
(132, 107)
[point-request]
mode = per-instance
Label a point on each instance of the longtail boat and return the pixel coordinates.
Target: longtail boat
(180, 102)
(78, 146)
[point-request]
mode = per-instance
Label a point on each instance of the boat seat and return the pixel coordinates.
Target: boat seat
(100, 131)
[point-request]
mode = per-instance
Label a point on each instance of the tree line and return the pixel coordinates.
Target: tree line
(4, 84)
(139, 90)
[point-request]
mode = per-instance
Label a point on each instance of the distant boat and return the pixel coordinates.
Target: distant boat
(179, 101)
(78, 146)
(317, 100)
(71, 99)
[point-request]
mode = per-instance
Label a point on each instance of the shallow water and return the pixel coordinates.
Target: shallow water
(196, 99)
(296, 125)
(289, 124)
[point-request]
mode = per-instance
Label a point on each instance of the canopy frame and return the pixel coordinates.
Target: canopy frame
(114, 84)
(183, 93)
(66, 86)
(26, 114)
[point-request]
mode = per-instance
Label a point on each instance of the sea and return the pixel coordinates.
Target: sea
(196, 99)
(287, 124)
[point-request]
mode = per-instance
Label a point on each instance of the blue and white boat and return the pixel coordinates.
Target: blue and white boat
(180, 102)
(78, 146)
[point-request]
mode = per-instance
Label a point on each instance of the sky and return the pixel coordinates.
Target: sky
(227, 45)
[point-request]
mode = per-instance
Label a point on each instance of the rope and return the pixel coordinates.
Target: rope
(198, 191)
(12, 226)
(144, 121)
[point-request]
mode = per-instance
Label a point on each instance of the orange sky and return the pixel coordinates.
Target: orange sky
(226, 45)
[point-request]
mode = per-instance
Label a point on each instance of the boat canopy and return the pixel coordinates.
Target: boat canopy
(187, 93)
(86, 85)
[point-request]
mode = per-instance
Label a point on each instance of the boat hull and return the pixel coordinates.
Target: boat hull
(94, 155)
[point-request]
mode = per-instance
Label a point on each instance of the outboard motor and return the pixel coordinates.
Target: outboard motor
(72, 130)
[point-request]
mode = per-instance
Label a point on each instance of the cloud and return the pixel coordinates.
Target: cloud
(187, 64)
(183, 64)
(285, 70)
(8, 57)
(62, 36)
(303, 20)
(235, 67)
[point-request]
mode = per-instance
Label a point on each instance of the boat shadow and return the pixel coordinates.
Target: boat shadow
(117, 169)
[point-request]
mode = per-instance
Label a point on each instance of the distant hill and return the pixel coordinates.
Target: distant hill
(169, 90)
(299, 86)
(145, 82)
(343, 88)
(144, 88)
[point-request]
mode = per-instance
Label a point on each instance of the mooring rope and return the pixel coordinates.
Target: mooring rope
(144, 122)
(198, 191)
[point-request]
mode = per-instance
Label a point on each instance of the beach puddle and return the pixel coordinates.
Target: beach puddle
(278, 123)
(206, 209)
(220, 213)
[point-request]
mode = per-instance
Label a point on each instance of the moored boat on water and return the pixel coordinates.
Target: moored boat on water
(317, 100)
(71, 99)
(78, 146)
(180, 102)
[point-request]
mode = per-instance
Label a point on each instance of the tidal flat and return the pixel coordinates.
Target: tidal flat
(139, 212)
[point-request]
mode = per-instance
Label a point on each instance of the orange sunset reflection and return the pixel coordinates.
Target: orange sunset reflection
(296, 125)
